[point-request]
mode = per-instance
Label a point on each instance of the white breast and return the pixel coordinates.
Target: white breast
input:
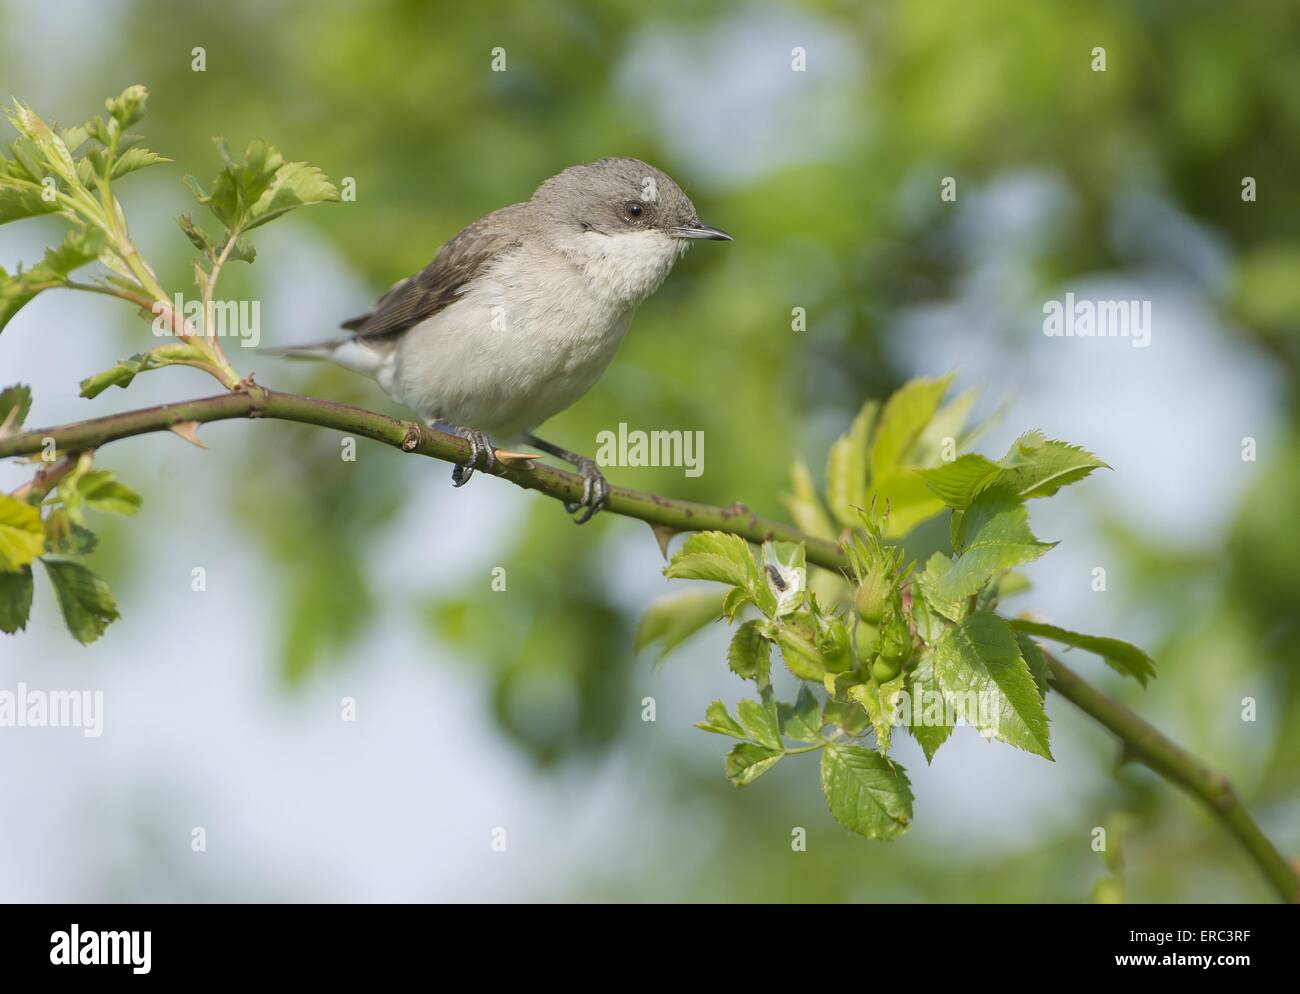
(531, 335)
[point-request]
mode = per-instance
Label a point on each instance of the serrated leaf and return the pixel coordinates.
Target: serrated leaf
(15, 600)
(1038, 467)
(55, 157)
(866, 792)
(21, 197)
(761, 721)
(905, 417)
(719, 721)
(802, 720)
(846, 468)
(101, 490)
(992, 537)
(737, 597)
(127, 370)
(956, 483)
(929, 581)
(134, 159)
(846, 716)
(296, 184)
(1121, 656)
(978, 667)
(716, 556)
(670, 621)
(747, 762)
(22, 535)
(64, 536)
(749, 655)
(79, 246)
(15, 405)
(930, 722)
(87, 605)
(197, 236)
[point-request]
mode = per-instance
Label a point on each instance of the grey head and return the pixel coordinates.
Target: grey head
(612, 196)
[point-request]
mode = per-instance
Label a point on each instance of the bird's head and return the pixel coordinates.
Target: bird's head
(622, 218)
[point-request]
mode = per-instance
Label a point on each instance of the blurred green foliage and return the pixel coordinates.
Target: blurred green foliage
(398, 95)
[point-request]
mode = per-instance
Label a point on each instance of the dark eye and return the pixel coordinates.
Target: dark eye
(633, 209)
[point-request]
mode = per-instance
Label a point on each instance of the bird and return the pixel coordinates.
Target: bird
(521, 312)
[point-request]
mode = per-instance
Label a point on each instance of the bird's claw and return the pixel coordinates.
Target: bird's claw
(481, 456)
(595, 492)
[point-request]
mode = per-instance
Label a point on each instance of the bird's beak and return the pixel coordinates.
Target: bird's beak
(700, 230)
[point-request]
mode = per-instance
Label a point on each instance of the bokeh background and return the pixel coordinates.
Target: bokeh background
(522, 709)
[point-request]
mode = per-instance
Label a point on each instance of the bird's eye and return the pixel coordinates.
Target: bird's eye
(634, 209)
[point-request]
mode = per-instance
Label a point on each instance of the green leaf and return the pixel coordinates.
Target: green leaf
(908, 499)
(22, 536)
(296, 184)
(134, 159)
(88, 607)
(79, 246)
(797, 638)
(1039, 467)
(670, 621)
(101, 490)
(929, 715)
(957, 482)
(845, 715)
(747, 762)
(904, 418)
(261, 187)
(715, 556)
(1033, 467)
(992, 536)
(197, 236)
(21, 197)
(802, 720)
(762, 722)
(720, 722)
(1035, 660)
(1120, 656)
(749, 655)
(15, 405)
(127, 370)
(948, 423)
(866, 792)
(985, 680)
(805, 507)
(55, 157)
(64, 536)
(15, 600)
(846, 468)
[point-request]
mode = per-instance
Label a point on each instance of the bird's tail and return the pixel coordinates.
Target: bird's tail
(313, 350)
(346, 351)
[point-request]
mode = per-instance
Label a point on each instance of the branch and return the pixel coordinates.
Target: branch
(1144, 743)
(252, 401)
(1141, 741)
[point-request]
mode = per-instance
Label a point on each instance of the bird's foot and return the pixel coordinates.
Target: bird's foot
(481, 456)
(595, 491)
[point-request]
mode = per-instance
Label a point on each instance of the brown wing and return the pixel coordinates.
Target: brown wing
(440, 282)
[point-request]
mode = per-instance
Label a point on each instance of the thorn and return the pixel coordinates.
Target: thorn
(515, 458)
(188, 430)
(663, 535)
(10, 419)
